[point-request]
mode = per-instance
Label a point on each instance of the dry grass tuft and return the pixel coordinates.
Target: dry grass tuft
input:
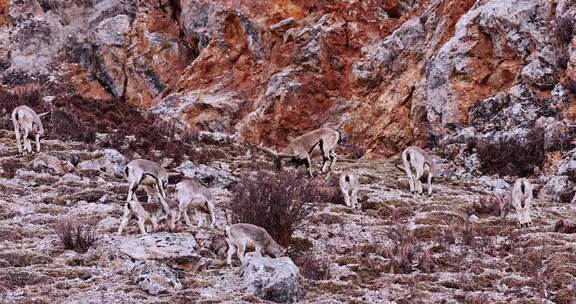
(488, 205)
(9, 167)
(279, 203)
(478, 299)
(403, 252)
(312, 268)
(562, 226)
(426, 263)
(77, 235)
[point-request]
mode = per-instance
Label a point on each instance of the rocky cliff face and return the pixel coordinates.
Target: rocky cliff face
(389, 73)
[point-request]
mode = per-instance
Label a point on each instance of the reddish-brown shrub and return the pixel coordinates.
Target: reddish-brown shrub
(190, 135)
(312, 267)
(279, 203)
(77, 235)
(28, 94)
(404, 250)
(425, 262)
(328, 190)
(564, 29)
(9, 167)
(469, 234)
(478, 299)
(65, 125)
(562, 226)
(488, 205)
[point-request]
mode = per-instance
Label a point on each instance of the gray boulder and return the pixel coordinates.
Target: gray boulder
(50, 164)
(540, 74)
(110, 162)
(162, 245)
(155, 278)
(211, 175)
(555, 187)
(276, 280)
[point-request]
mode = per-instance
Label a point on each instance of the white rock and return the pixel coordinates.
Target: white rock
(272, 279)
(155, 278)
(216, 177)
(158, 245)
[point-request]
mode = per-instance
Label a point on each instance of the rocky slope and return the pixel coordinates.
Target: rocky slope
(453, 259)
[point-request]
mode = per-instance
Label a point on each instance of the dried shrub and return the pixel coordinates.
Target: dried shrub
(79, 118)
(570, 85)
(449, 236)
(190, 135)
(567, 196)
(65, 125)
(488, 205)
(326, 219)
(312, 267)
(426, 263)
(18, 259)
(13, 279)
(469, 234)
(403, 252)
(279, 203)
(564, 227)
(77, 235)
(9, 167)
(300, 245)
(356, 151)
(328, 191)
(478, 299)
(28, 94)
(370, 249)
(512, 156)
(563, 30)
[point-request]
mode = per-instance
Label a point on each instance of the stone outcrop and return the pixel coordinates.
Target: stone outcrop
(276, 280)
(158, 246)
(155, 278)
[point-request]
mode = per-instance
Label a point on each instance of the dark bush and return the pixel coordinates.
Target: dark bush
(512, 156)
(279, 203)
(328, 191)
(312, 268)
(28, 94)
(478, 299)
(64, 125)
(9, 167)
(77, 235)
(82, 117)
(403, 252)
(564, 227)
(564, 29)
(488, 205)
